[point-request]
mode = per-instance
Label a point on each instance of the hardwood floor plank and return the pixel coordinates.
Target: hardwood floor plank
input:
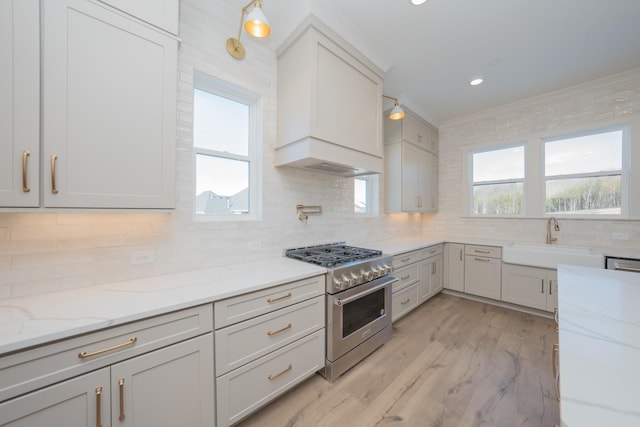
(451, 362)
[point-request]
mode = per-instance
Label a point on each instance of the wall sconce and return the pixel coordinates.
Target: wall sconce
(256, 25)
(397, 113)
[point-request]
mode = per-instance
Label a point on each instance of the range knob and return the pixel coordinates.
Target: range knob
(375, 272)
(356, 279)
(368, 275)
(346, 282)
(387, 269)
(337, 284)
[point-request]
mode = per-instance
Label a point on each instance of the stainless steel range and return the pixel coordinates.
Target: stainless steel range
(358, 288)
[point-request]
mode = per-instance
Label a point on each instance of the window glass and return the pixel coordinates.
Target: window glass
(360, 195)
(222, 185)
(220, 124)
(498, 181)
(583, 174)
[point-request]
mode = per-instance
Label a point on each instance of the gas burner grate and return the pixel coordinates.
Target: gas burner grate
(332, 255)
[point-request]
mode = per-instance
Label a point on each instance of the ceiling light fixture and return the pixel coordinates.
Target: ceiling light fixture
(417, 2)
(256, 25)
(397, 112)
(476, 81)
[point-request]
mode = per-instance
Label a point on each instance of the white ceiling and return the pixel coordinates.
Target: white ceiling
(522, 48)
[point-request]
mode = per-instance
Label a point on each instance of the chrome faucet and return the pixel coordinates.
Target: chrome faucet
(555, 227)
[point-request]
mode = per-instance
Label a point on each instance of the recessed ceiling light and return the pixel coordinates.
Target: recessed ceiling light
(476, 81)
(417, 2)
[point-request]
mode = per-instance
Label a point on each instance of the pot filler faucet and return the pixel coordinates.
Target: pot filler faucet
(556, 227)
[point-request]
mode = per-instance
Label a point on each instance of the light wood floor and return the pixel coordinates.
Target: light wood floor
(451, 362)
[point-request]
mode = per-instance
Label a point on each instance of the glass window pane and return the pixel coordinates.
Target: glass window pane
(498, 199)
(360, 200)
(497, 165)
(584, 154)
(222, 186)
(220, 124)
(595, 195)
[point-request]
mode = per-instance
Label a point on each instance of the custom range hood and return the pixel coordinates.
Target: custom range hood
(329, 104)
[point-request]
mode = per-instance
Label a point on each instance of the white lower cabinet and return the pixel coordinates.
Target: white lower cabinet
(454, 266)
(530, 286)
(419, 276)
(267, 342)
(138, 382)
(483, 271)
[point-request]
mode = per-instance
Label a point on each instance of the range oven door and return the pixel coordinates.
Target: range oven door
(356, 314)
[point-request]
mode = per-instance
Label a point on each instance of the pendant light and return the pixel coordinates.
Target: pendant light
(256, 25)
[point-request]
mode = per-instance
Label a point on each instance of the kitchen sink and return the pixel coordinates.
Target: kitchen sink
(549, 256)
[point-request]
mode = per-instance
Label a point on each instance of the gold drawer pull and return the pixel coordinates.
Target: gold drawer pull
(405, 301)
(54, 189)
(98, 416)
(542, 286)
(550, 286)
(405, 259)
(482, 259)
(270, 333)
(121, 384)
(405, 277)
(478, 251)
(556, 374)
(288, 295)
(25, 185)
(287, 369)
(433, 251)
(84, 354)
(460, 254)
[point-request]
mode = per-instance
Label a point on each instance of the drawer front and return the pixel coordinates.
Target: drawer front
(405, 259)
(430, 251)
(404, 301)
(406, 276)
(243, 307)
(485, 251)
(242, 391)
(247, 341)
(27, 370)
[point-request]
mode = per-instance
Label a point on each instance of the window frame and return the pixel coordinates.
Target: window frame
(471, 183)
(372, 202)
(623, 172)
(216, 86)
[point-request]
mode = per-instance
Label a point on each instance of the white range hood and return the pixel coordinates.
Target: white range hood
(329, 104)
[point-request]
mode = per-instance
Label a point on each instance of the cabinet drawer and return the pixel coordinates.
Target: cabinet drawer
(430, 251)
(405, 259)
(246, 341)
(404, 301)
(406, 276)
(245, 389)
(25, 371)
(484, 251)
(243, 307)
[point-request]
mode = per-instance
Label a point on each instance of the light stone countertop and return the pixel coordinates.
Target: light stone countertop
(38, 319)
(599, 317)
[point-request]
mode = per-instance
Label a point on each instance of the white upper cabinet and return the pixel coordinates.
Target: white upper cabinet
(411, 129)
(329, 104)
(109, 109)
(19, 102)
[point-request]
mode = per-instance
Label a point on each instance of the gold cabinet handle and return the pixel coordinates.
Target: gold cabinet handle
(121, 385)
(98, 399)
(405, 259)
(287, 369)
(478, 251)
(555, 318)
(271, 300)
(25, 185)
(84, 354)
(405, 277)
(433, 251)
(54, 189)
(482, 259)
(405, 301)
(550, 286)
(433, 268)
(542, 286)
(270, 333)
(460, 254)
(556, 374)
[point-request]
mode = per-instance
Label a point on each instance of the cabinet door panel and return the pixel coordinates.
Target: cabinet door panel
(411, 158)
(171, 387)
(524, 286)
(71, 403)
(19, 102)
(483, 276)
(454, 267)
(109, 109)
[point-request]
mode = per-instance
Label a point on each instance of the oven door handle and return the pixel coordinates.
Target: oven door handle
(364, 293)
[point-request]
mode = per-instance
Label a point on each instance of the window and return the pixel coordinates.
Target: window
(498, 181)
(584, 173)
(365, 201)
(224, 141)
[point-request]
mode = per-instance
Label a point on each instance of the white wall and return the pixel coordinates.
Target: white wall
(612, 100)
(48, 251)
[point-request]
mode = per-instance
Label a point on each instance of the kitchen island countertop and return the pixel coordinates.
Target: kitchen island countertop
(599, 320)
